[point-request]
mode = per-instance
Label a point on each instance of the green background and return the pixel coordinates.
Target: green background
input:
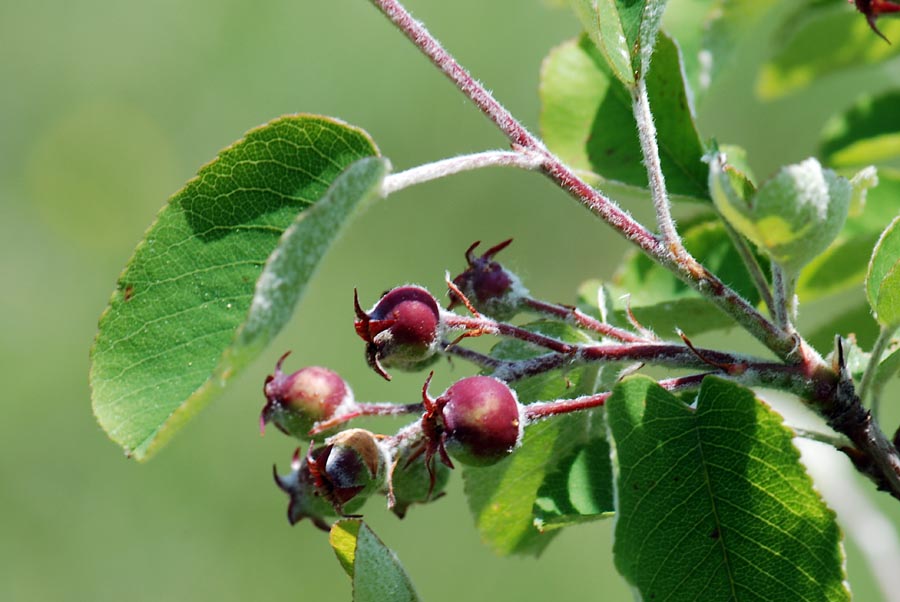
(105, 110)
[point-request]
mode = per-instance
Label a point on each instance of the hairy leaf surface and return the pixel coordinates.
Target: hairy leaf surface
(191, 308)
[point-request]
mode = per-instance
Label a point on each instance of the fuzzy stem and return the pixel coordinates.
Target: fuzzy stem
(367, 409)
(477, 326)
(640, 107)
(688, 270)
(540, 410)
(582, 320)
(847, 415)
(753, 267)
(865, 384)
(454, 165)
(783, 283)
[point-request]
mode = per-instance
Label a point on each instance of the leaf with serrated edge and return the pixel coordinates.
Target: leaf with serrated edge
(177, 328)
(373, 568)
(712, 502)
(586, 118)
(883, 277)
(502, 497)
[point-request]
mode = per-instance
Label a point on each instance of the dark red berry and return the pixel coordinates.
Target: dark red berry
(401, 331)
(482, 420)
(350, 466)
(295, 402)
(487, 285)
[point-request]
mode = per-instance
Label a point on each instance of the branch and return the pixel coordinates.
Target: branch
(690, 271)
(640, 107)
(454, 165)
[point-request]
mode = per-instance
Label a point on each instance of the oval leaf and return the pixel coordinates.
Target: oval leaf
(883, 277)
(586, 118)
(187, 313)
(625, 31)
(374, 569)
(713, 503)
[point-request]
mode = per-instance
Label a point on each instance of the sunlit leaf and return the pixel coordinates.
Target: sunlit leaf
(373, 568)
(191, 309)
(712, 502)
(883, 277)
(586, 118)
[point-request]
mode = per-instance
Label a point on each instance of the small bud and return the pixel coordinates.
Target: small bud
(793, 216)
(295, 402)
(402, 330)
(489, 287)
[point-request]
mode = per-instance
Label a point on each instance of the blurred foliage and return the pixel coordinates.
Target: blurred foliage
(108, 108)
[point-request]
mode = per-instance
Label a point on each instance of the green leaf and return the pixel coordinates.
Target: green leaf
(713, 503)
(842, 266)
(711, 49)
(579, 490)
(856, 320)
(883, 277)
(829, 42)
(607, 35)
(504, 498)
(373, 568)
(625, 31)
(662, 302)
(188, 312)
(868, 132)
(586, 118)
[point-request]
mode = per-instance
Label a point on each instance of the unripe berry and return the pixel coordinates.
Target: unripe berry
(295, 402)
(402, 330)
(300, 485)
(482, 420)
(488, 286)
(349, 467)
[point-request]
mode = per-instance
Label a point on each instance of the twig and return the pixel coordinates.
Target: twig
(640, 107)
(454, 165)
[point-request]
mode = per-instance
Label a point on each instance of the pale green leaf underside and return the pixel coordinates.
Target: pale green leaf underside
(177, 325)
(883, 277)
(713, 503)
(586, 118)
(373, 568)
(504, 498)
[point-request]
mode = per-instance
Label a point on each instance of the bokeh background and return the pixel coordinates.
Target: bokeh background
(106, 108)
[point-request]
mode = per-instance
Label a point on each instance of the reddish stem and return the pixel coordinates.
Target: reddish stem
(367, 409)
(582, 320)
(537, 411)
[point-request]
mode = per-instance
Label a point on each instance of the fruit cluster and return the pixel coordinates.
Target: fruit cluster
(477, 421)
